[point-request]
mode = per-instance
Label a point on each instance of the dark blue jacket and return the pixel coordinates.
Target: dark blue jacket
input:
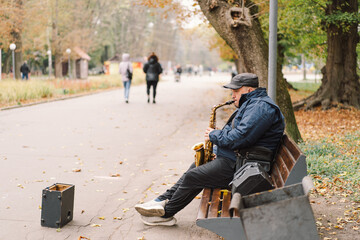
(258, 122)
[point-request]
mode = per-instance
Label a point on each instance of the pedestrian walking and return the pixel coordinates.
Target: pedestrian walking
(126, 71)
(152, 69)
(178, 73)
(25, 70)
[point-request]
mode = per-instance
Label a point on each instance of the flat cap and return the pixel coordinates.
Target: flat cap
(243, 79)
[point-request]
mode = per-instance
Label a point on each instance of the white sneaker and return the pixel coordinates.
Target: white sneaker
(151, 208)
(158, 221)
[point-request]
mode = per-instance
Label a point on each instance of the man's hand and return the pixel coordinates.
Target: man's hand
(207, 132)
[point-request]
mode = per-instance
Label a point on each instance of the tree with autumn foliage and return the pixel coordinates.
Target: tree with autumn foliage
(11, 27)
(337, 38)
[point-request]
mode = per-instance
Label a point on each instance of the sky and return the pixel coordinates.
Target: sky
(195, 21)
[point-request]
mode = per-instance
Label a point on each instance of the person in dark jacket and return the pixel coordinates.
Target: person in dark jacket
(257, 122)
(152, 69)
(25, 70)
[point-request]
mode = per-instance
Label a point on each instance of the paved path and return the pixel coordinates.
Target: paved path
(147, 144)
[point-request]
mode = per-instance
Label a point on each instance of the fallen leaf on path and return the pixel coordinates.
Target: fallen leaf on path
(117, 218)
(76, 170)
(125, 209)
(81, 237)
(102, 218)
(115, 175)
(96, 225)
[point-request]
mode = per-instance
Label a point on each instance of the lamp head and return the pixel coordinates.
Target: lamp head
(12, 46)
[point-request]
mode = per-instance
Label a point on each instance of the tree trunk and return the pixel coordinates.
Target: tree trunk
(7, 62)
(242, 31)
(58, 66)
(340, 82)
(16, 35)
(240, 68)
(18, 57)
(17, 53)
(56, 44)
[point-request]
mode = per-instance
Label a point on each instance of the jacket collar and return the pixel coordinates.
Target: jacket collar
(259, 92)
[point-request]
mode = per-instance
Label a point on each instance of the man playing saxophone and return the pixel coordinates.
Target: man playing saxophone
(257, 123)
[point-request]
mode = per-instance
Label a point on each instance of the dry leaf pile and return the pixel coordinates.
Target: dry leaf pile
(318, 124)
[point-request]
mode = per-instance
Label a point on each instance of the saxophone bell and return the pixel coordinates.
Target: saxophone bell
(199, 153)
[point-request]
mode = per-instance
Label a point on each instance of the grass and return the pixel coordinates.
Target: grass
(21, 92)
(305, 86)
(335, 163)
(304, 89)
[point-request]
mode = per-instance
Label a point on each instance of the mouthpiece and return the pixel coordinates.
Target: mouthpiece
(229, 102)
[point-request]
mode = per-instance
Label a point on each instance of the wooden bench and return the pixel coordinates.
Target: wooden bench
(288, 169)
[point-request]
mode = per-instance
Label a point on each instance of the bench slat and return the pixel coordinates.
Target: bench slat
(214, 205)
(287, 158)
(276, 176)
(226, 203)
(282, 167)
(204, 204)
(292, 147)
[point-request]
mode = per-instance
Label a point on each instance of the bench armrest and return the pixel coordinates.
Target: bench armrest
(236, 204)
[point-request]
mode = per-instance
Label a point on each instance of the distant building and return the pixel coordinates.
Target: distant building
(81, 65)
(112, 65)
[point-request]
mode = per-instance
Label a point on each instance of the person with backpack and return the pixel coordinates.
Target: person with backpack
(126, 71)
(25, 70)
(152, 69)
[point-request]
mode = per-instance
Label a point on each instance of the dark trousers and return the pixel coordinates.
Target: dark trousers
(148, 85)
(25, 75)
(215, 174)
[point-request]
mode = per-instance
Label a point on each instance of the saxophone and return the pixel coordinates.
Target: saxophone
(204, 151)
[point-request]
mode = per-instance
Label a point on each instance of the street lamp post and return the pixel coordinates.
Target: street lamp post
(50, 62)
(272, 49)
(12, 48)
(68, 51)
